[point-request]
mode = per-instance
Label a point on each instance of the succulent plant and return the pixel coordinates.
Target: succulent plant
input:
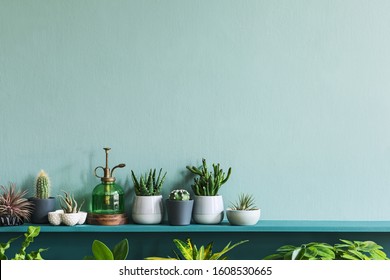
(148, 185)
(14, 205)
(69, 204)
(245, 202)
(179, 195)
(208, 183)
(42, 185)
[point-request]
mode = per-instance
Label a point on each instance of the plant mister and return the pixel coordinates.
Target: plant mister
(107, 198)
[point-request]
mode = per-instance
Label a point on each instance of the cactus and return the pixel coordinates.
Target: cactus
(42, 186)
(148, 185)
(69, 203)
(208, 183)
(179, 195)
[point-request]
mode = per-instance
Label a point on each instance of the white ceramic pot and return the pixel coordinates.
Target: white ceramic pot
(147, 210)
(55, 218)
(208, 209)
(243, 217)
(70, 219)
(82, 217)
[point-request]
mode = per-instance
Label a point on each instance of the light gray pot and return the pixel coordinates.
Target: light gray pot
(179, 212)
(41, 209)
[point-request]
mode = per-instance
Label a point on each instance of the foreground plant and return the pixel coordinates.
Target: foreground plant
(29, 236)
(189, 251)
(101, 251)
(347, 250)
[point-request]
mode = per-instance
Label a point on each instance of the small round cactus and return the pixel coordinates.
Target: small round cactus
(179, 195)
(42, 185)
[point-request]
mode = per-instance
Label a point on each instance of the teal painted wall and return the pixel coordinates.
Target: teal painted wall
(293, 95)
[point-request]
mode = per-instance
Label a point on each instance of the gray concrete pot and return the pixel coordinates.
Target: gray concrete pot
(179, 212)
(41, 209)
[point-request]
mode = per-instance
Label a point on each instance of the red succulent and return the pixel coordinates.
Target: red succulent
(14, 204)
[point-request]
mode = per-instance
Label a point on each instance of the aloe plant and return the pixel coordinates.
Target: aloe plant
(32, 232)
(101, 251)
(208, 183)
(189, 251)
(148, 184)
(347, 250)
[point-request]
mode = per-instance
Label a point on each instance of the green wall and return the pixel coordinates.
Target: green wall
(293, 95)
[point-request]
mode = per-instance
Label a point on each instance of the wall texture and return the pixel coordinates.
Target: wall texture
(293, 95)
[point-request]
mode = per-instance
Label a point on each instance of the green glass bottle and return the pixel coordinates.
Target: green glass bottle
(108, 197)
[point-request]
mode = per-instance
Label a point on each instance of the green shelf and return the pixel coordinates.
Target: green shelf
(261, 226)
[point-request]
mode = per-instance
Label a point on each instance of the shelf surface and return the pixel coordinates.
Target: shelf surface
(261, 226)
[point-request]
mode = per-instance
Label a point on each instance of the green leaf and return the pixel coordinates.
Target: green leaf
(227, 248)
(286, 248)
(121, 250)
(185, 250)
(325, 252)
(33, 231)
(378, 255)
(274, 257)
(298, 253)
(101, 251)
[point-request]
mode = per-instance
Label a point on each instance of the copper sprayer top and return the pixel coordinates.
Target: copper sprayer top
(107, 173)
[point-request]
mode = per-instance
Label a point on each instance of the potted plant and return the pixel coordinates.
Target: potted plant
(179, 208)
(43, 202)
(14, 207)
(71, 214)
(208, 203)
(148, 204)
(243, 212)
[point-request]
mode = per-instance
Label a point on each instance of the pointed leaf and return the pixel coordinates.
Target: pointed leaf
(121, 250)
(184, 249)
(101, 251)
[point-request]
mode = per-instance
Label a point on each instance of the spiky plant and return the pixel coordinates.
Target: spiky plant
(42, 185)
(14, 204)
(208, 183)
(69, 204)
(245, 202)
(148, 184)
(189, 251)
(179, 195)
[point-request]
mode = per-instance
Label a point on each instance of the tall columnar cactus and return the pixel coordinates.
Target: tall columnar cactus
(179, 195)
(42, 185)
(208, 183)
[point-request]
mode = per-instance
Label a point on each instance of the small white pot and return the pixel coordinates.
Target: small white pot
(70, 219)
(55, 218)
(147, 210)
(243, 217)
(82, 217)
(208, 209)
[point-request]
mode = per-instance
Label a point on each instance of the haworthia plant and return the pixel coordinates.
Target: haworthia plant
(148, 184)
